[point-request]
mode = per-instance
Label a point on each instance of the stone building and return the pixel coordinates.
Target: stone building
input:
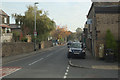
(4, 18)
(6, 35)
(101, 17)
(5, 29)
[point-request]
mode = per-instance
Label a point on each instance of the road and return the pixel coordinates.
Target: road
(52, 63)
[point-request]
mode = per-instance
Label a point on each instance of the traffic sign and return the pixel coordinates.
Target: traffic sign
(35, 33)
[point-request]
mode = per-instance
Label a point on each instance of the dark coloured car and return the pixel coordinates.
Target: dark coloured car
(76, 50)
(69, 43)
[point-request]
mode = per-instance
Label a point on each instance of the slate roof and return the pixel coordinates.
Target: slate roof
(107, 9)
(3, 13)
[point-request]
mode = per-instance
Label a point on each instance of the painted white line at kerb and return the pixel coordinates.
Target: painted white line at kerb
(66, 72)
(36, 61)
(65, 77)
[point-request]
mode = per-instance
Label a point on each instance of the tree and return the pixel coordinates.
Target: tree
(44, 24)
(78, 30)
(60, 33)
(110, 41)
(78, 33)
(72, 37)
(16, 36)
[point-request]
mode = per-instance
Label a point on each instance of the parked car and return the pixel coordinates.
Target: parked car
(76, 50)
(69, 43)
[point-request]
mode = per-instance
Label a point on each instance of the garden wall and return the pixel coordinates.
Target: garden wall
(15, 48)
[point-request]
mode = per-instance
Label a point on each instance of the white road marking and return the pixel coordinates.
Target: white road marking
(66, 73)
(65, 77)
(25, 57)
(49, 55)
(68, 67)
(67, 70)
(36, 61)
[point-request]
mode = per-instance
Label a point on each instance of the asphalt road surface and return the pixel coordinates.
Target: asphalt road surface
(52, 63)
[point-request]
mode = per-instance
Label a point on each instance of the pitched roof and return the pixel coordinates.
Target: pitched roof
(108, 9)
(3, 13)
(105, 7)
(5, 26)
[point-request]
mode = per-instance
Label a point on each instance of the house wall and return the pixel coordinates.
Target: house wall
(0, 18)
(91, 30)
(105, 22)
(101, 22)
(7, 18)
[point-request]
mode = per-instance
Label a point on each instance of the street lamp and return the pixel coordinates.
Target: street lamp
(35, 33)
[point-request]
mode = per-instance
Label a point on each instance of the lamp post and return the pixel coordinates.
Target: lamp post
(35, 33)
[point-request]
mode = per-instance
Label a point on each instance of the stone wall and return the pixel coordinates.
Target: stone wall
(105, 22)
(9, 49)
(6, 37)
(15, 48)
(46, 44)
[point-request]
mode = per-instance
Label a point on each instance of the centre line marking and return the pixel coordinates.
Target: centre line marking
(36, 61)
(49, 55)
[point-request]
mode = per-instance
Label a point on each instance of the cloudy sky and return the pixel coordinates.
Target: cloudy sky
(65, 12)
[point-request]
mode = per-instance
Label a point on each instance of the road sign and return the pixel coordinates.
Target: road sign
(89, 21)
(35, 33)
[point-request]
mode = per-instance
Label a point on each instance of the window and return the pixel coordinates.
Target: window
(5, 20)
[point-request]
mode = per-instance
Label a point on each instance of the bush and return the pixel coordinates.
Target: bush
(24, 39)
(110, 41)
(16, 36)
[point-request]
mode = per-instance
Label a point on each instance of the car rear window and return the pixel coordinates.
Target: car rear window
(76, 45)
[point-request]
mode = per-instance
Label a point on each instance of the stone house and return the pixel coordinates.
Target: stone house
(15, 27)
(6, 35)
(4, 18)
(5, 29)
(103, 16)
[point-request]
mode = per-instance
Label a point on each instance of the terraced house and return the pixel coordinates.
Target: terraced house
(101, 17)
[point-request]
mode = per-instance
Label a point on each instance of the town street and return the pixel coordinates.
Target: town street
(53, 63)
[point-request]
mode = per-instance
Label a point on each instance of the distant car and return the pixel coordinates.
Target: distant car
(76, 50)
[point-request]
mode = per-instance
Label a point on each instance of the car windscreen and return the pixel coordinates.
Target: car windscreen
(75, 45)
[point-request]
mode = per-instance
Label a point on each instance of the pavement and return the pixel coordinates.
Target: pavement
(94, 66)
(93, 63)
(53, 63)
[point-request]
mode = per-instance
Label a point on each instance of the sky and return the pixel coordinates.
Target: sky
(72, 14)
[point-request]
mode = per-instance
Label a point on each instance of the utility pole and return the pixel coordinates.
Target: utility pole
(35, 33)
